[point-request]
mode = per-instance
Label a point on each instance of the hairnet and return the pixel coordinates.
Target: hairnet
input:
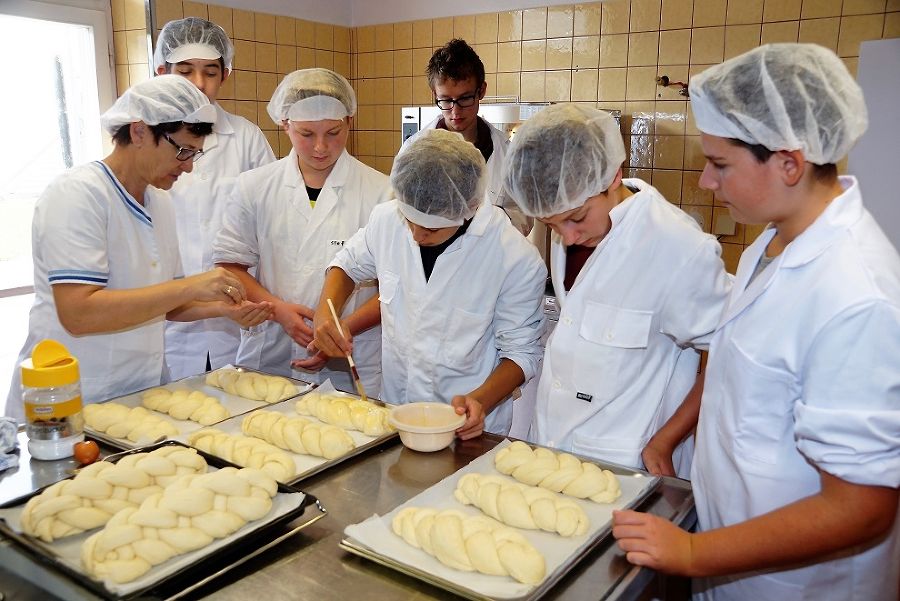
(784, 97)
(438, 175)
(161, 99)
(561, 157)
(312, 95)
(189, 38)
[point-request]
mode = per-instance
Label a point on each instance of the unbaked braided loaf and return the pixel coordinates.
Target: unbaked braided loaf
(298, 435)
(101, 489)
(346, 412)
(186, 404)
(522, 506)
(251, 385)
(186, 516)
(130, 423)
(471, 543)
(245, 451)
(559, 472)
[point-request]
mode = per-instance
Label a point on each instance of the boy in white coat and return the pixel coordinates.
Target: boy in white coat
(459, 287)
(797, 467)
(201, 51)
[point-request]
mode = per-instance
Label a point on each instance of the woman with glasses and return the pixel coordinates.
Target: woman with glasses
(456, 78)
(288, 219)
(107, 273)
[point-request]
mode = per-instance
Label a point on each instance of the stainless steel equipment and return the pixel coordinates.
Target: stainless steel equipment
(505, 116)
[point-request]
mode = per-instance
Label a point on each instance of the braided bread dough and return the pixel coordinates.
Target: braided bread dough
(188, 515)
(559, 472)
(186, 404)
(470, 543)
(253, 386)
(522, 506)
(297, 434)
(101, 489)
(245, 451)
(346, 412)
(131, 423)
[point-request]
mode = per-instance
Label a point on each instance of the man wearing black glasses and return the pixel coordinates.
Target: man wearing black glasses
(456, 77)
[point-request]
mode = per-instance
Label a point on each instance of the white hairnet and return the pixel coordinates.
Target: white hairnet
(161, 99)
(561, 157)
(784, 97)
(438, 179)
(312, 95)
(190, 38)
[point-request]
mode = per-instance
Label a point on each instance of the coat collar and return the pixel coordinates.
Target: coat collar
(336, 179)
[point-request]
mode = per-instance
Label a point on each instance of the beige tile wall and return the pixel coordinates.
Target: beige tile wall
(605, 55)
(267, 47)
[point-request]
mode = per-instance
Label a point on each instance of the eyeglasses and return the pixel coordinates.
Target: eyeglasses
(445, 104)
(184, 154)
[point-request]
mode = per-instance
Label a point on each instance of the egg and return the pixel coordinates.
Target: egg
(86, 452)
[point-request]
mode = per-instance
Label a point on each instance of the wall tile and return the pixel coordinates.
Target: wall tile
(820, 31)
(534, 23)
(442, 31)
(743, 12)
(532, 86)
(244, 85)
(692, 193)
(403, 35)
(509, 26)
(675, 73)
(586, 52)
(781, 10)
(858, 29)
(587, 19)
(464, 28)
(266, 84)
(670, 117)
(486, 28)
(120, 48)
(613, 50)
(559, 53)
(243, 25)
(342, 64)
(420, 58)
(640, 151)
(891, 25)
(117, 9)
(305, 32)
(584, 85)
(707, 45)
(403, 90)
(384, 91)
(421, 34)
(892, 6)
(246, 109)
(136, 15)
(693, 154)
(643, 48)
(641, 84)
(403, 66)
(560, 21)
(702, 215)
(265, 57)
(821, 8)
(285, 31)
(558, 86)
(534, 53)
(244, 55)
(488, 55)
(508, 84)
(616, 16)
(264, 27)
(285, 59)
(677, 14)
(325, 59)
(738, 236)
(611, 84)
(341, 39)
(862, 7)
(384, 64)
(668, 183)
(675, 46)
(227, 89)
(708, 13)
(784, 31)
(509, 56)
(668, 152)
(324, 36)
(365, 39)
(645, 15)
(365, 65)
(741, 38)
(221, 16)
(365, 96)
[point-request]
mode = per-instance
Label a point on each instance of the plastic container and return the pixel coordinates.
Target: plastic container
(51, 392)
(426, 426)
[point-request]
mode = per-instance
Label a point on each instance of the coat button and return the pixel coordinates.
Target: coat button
(567, 321)
(609, 335)
(556, 384)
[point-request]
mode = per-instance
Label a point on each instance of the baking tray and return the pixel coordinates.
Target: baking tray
(391, 551)
(236, 405)
(194, 569)
(308, 465)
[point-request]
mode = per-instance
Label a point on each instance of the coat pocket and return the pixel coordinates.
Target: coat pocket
(467, 339)
(389, 295)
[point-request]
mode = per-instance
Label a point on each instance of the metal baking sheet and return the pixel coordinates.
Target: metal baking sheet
(236, 405)
(309, 465)
(382, 546)
(182, 574)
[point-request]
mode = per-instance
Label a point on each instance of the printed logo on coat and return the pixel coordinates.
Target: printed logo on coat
(583, 396)
(337, 242)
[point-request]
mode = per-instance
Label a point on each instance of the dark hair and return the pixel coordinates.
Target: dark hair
(221, 65)
(122, 137)
(823, 173)
(457, 61)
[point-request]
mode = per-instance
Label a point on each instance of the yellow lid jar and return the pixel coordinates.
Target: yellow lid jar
(51, 392)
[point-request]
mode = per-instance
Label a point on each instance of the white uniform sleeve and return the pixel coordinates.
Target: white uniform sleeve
(237, 241)
(519, 315)
(694, 305)
(357, 258)
(848, 419)
(69, 233)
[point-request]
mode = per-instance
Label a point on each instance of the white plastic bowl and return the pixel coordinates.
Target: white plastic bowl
(426, 426)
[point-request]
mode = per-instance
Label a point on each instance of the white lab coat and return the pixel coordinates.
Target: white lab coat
(88, 230)
(270, 225)
(494, 174)
(234, 146)
(482, 303)
(803, 374)
(622, 357)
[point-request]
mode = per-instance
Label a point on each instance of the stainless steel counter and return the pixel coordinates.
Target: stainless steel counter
(310, 565)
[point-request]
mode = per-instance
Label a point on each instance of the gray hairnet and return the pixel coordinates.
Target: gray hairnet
(161, 99)
(310, 83)
(439, 173)
(561, 157)
(189, 31)
(784, 97)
